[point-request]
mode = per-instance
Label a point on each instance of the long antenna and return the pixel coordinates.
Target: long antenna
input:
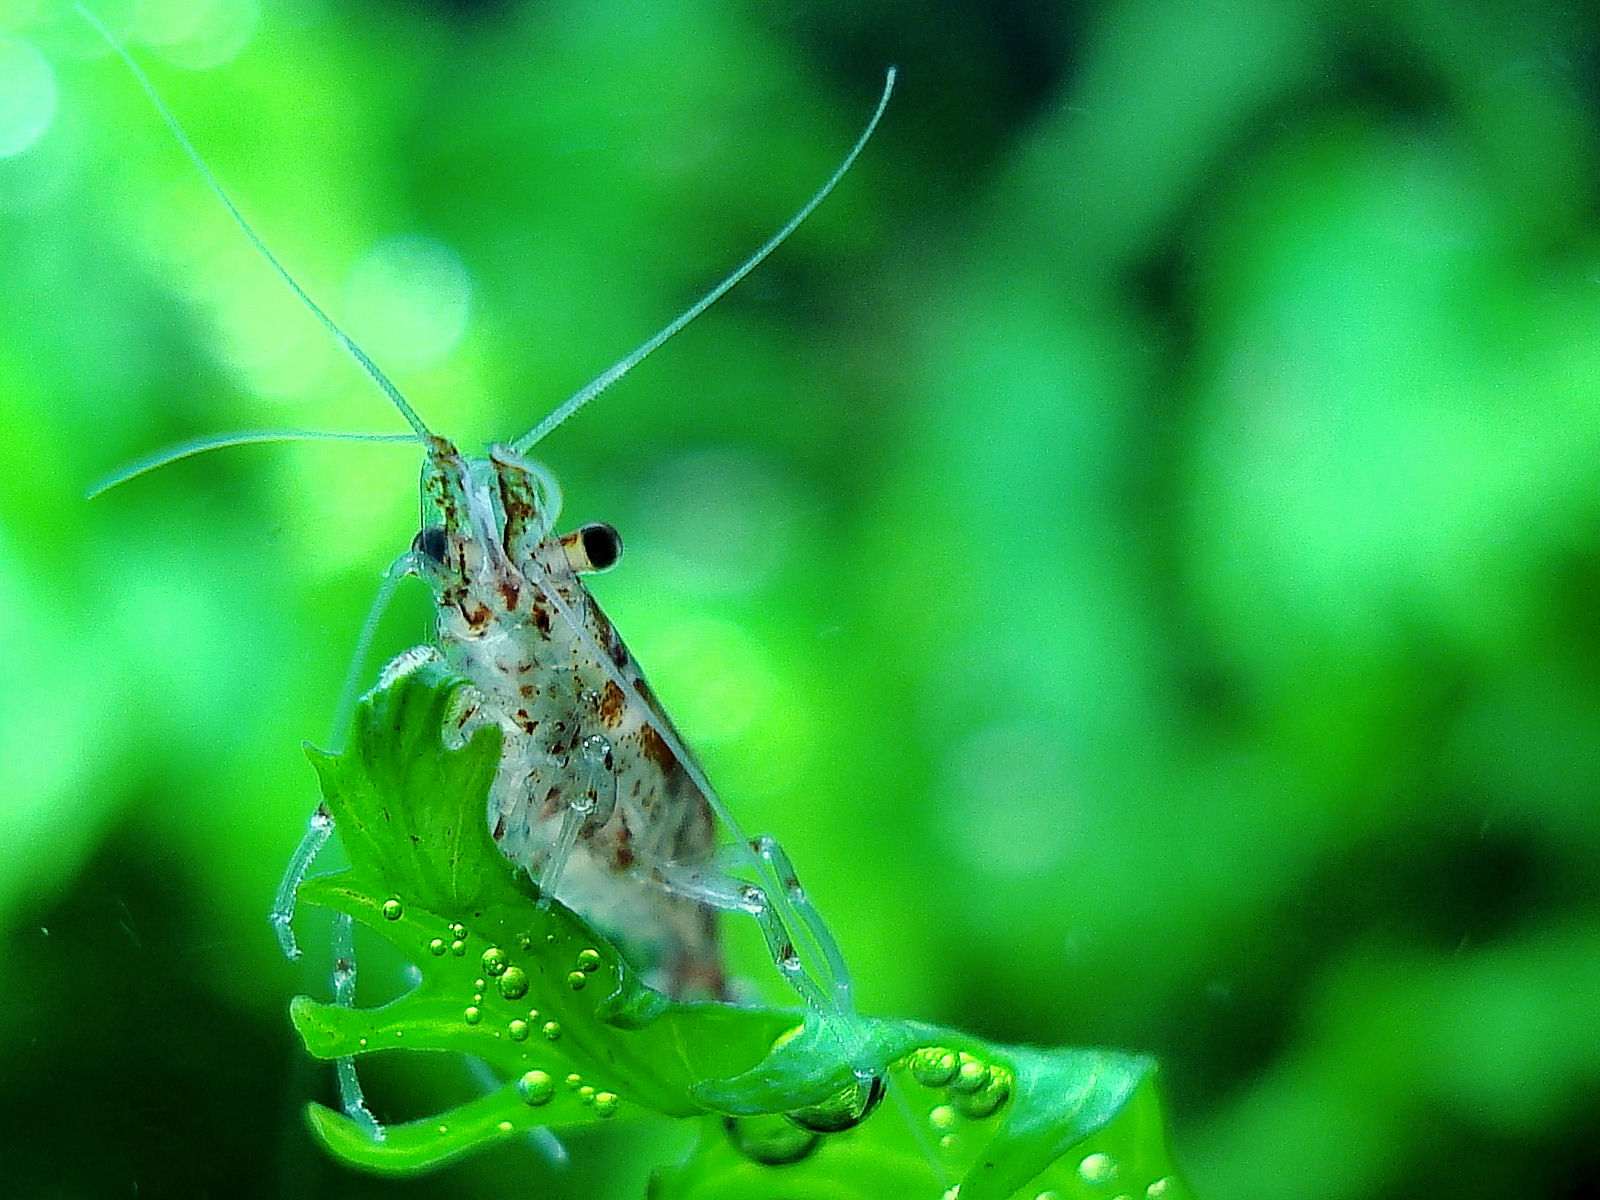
(343, 338)
(252, 437)
(620, 368)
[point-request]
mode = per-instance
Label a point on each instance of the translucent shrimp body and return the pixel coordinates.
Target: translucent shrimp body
(591, 797)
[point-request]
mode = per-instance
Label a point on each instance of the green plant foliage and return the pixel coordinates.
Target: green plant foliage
(530, 989)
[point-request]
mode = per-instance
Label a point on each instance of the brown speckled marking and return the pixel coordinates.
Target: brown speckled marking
(611, 705)
(622, 850)
(553, 803)
(656, 751)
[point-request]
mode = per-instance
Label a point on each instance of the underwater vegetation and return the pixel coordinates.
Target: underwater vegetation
(1138, 547)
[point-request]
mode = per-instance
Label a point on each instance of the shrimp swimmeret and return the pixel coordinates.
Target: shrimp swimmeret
(596, 795)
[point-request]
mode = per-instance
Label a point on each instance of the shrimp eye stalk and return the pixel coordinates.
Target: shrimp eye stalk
(594, 547)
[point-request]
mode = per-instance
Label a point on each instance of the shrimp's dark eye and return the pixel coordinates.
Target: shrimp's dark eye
(602, 545)
(592, 547)
(430, 542)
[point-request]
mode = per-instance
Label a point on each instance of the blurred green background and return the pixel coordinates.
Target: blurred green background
(1137, 546)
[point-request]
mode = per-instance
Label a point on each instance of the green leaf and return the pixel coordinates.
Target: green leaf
(528, 987)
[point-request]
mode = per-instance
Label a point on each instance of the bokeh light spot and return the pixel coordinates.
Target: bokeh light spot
(407, 301)
(197, 34)
(28, 95)
(724, 522)
(1006, 809)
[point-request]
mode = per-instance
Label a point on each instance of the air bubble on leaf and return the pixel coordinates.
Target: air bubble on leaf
(605, 1104)
(772, 1141)
(970, 1075)
(1159, 1190)
(934, 1066)
(458, 948)
(506, 1128)
(514, 983)
(1097, 1168)
(536, 1088)
(586, 1095)
(942, 1118)
(1050, 1194)
(574, 1081)
(987, 1100)
(518, 1031)
(845, 1109)
(457, 930)
(551, 1030)
(437, 947)
(588, 960)
(576, 980)
(474, 1014)
(393, 910)
(495, 962)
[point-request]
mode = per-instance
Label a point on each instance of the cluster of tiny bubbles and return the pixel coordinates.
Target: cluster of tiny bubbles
(1150, 1193)
(393, 910)
(536, 1088)
(458, 945)
(495, 961)
(603, 1104)
(588, 963)
(943, 1121)
(772, 1140)
(845, 1109)
(975, 1089)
